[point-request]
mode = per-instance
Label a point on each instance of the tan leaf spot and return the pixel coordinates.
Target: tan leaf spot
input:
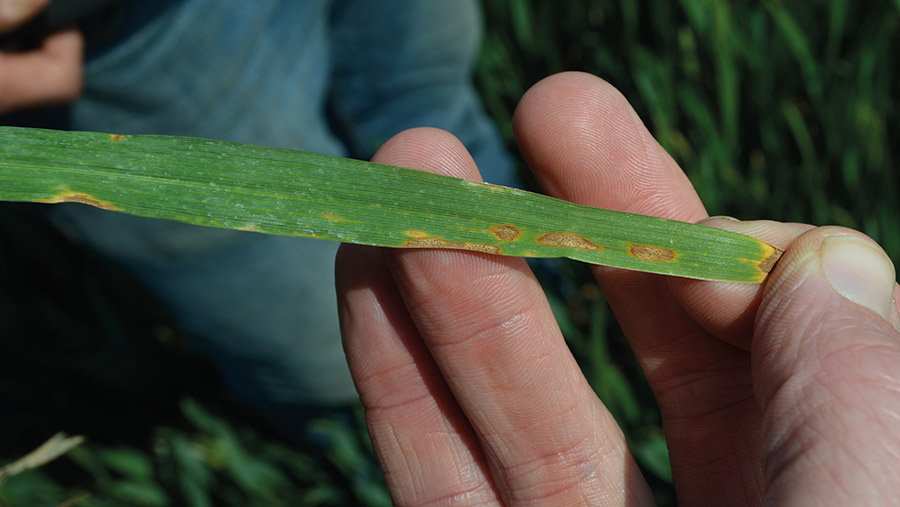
(568, 240)
(506, 232)
(652, 253)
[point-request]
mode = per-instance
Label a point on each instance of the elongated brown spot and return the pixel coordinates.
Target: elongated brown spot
(506, 232)
(415, 233)
(766, 265)
(79, 197)
(440, 243)
(652, 253)
(114, 138)
(568, 240)
(331, 217)
(250, 228)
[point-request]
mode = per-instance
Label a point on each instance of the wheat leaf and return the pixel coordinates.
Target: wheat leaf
(287, 192)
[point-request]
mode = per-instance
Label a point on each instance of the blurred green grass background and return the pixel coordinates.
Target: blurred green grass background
(786, 110)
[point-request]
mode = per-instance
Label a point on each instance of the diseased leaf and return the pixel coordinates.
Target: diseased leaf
(287, 192)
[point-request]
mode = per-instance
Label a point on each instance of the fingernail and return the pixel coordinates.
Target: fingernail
(861, 272)
(718, 217)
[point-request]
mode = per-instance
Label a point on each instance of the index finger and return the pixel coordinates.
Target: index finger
(489, 329)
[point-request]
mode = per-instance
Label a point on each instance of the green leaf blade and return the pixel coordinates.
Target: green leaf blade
(287, 192)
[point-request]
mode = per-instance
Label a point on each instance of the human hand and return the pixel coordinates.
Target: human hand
(50, 74)
(785, 392)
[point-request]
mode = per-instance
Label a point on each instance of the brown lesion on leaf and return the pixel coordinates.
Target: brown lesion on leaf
(652, 253)
(114, 138)
(568, 240)
(506, 232)
(441, 243)
(80, 197)
(768, 263)
(415, 233)
(250, 228)
(481, 184)
(331, 217)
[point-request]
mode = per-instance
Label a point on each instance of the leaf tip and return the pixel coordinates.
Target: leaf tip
(767, 264)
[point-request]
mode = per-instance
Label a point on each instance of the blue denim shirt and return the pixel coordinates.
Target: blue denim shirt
(330, 76)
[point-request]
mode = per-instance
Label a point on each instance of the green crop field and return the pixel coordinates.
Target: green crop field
(784, 110)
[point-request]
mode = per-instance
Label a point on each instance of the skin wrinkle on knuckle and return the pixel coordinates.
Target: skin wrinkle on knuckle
(890, 385)
(423, 272)
(653, 354)
(510, 309)
(654, 362)
(510, 425)
(727, 361)
(500, 291)
(569, 460)
(409, 477)
(568, 472)
(674, 405)
(417, 457)
(805, 449)
(827, 355)
(374, 406)
(778, 459)
(470, 489)
(480, 494)
(847, 357)
(535, 422)
(395, 394)
(426, 271)
(507, 327)
(801, 453)
(796, 428)
(776, 353)
(860, 384)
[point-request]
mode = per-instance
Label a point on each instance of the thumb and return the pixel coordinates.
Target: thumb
(826, 372)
